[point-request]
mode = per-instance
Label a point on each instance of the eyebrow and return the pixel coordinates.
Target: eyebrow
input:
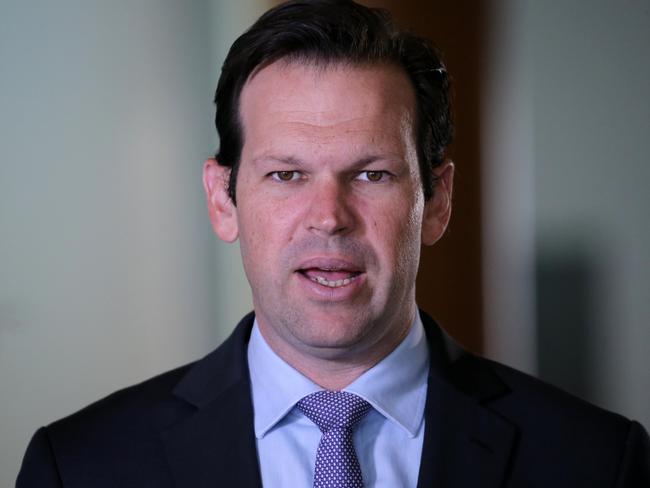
(290, 160)
(293, 161)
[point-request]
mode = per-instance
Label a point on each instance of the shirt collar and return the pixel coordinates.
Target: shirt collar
(395, 387)
(276, 386)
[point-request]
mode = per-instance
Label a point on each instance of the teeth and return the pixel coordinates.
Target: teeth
(333, 284)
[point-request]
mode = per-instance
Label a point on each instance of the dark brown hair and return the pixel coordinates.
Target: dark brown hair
(336, 31)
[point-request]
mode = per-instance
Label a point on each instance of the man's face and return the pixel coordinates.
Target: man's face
(330, 208)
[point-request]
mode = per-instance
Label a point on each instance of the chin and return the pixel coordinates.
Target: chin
(333, 333)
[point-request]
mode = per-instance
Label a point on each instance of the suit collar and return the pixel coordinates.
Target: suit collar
(466, 444)
(220, 370)
(214, 441)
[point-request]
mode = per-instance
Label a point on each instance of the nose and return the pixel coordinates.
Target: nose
(330, 211)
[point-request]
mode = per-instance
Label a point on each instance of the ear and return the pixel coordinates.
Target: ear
(223, 213)
(437, 210)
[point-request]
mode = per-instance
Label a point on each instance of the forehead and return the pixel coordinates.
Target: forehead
(326, 101)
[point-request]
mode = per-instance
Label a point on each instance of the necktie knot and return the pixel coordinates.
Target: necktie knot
(334, 409)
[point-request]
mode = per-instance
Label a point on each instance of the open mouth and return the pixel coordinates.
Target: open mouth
(332, 278)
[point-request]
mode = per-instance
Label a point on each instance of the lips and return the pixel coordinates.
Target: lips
(331, 278)
(332, 273)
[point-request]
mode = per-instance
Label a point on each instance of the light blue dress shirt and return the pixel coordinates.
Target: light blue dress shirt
(388, 440)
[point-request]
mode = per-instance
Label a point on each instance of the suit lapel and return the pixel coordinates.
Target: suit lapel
(214, 442)
(465, 443)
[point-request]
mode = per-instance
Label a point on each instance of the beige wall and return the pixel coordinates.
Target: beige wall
(566, 143)
(109, 272)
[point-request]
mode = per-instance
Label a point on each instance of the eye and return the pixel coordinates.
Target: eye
(285, 175)
(373, 176)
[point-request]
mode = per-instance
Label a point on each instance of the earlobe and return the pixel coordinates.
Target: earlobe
(223, 213)
(437, 210)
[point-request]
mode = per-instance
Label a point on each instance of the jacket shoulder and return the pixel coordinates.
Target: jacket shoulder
(573, 438)
(531, 398)
(135, 407)
(110, 440)
(558, 438)
(120, 439)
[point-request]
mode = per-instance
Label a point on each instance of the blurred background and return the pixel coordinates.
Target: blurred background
(109, 271)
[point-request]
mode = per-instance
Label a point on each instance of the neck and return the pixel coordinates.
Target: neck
(332, 375)
(336, 368)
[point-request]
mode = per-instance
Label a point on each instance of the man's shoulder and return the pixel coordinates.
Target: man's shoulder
(140, 410)
(533, 404)
(547, 416)
(121, 429)
(529, 397)
(548, 426)
(539, 431)
(520, 396)
(124, 435)
(569, 434)
(157, 401)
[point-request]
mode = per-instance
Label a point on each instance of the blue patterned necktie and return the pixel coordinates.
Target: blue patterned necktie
(336, 413)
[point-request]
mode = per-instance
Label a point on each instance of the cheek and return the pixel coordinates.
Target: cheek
(265, 224)
(399, 235)
(251, 235)
(400, 216)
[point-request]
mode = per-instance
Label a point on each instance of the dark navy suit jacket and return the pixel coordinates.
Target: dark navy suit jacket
(487, 426)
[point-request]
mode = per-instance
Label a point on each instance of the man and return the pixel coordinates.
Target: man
(331, 173)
